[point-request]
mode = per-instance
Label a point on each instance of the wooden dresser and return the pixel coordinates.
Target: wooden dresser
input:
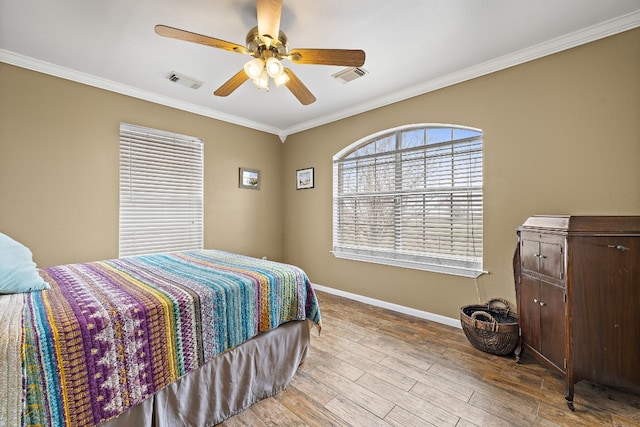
(577, 284)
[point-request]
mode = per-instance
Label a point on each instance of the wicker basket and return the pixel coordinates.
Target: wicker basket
(489, 328)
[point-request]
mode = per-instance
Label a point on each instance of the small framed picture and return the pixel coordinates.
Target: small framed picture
(304, 178)
(249, 178)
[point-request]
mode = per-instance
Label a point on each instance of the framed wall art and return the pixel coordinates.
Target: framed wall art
(304, 178)
(249, 178)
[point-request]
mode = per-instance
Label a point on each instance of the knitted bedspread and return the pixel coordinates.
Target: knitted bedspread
(109, 334)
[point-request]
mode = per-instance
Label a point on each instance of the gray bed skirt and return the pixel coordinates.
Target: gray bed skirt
(227, 384)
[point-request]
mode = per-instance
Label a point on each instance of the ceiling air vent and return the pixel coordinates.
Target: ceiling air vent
(348, 74)
(183, 80)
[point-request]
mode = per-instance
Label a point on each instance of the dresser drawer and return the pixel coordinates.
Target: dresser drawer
(542, 254)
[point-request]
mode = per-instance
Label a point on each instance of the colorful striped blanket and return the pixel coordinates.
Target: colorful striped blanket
(109, 334)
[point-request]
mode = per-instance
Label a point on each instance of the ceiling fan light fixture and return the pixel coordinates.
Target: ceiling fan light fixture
(254, 68)
(274, 67)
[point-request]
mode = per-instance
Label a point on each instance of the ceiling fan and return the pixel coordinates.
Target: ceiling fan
(268, 46)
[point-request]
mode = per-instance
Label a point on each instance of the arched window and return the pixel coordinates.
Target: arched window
(411, 197)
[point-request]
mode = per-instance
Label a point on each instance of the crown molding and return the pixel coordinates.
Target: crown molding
(558, 44)
(33, 64)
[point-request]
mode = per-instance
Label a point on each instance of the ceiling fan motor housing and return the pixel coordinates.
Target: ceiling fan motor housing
(256, 46)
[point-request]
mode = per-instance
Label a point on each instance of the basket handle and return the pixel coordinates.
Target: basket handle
(479, 313)
(491, 302)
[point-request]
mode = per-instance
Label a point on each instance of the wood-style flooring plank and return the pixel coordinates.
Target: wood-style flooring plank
(422, 408)
(354, 414)
(367, 399)
(312, 389)
(308, 410)
(458, 408)
(273, 414)
(400, 417)
(379, 370)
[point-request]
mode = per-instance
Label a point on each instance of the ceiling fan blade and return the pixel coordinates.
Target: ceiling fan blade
(344, 57)
(188, 36)
(298, 89)
(232, 84)
(269, 12)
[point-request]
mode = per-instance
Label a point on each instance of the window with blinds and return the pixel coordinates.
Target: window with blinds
(411, 197)
(161, 191)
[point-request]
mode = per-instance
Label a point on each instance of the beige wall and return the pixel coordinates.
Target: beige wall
(59, 170)
(561, 136)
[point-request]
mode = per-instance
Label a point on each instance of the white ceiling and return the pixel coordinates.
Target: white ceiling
(412, 47)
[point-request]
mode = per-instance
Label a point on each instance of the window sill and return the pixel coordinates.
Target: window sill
(431, 267)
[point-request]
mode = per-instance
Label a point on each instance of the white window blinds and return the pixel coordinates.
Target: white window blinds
(161, 191)
(411, 197)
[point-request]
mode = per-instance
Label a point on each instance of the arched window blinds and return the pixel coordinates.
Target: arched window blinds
(161, 191)
(411, 197)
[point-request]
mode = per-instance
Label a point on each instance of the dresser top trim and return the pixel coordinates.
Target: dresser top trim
(578, 224)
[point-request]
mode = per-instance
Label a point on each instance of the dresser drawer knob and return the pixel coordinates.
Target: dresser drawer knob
(619, 247)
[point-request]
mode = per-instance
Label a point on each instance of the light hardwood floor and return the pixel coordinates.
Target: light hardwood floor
(374, 367)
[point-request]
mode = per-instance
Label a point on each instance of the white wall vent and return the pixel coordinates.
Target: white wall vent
(349, 74)
(183, 80)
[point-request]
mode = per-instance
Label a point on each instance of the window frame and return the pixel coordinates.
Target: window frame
(427, 261)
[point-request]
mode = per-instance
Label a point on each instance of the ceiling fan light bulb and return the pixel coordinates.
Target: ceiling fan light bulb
(281, 79)
(254, 68)
(274, 67)
(263, 80)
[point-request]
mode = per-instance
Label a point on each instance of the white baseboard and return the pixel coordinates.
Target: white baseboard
(390, 306)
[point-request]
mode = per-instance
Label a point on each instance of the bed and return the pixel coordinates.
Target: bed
(185, 338)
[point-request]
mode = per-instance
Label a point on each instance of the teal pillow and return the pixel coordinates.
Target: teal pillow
(18, 272)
